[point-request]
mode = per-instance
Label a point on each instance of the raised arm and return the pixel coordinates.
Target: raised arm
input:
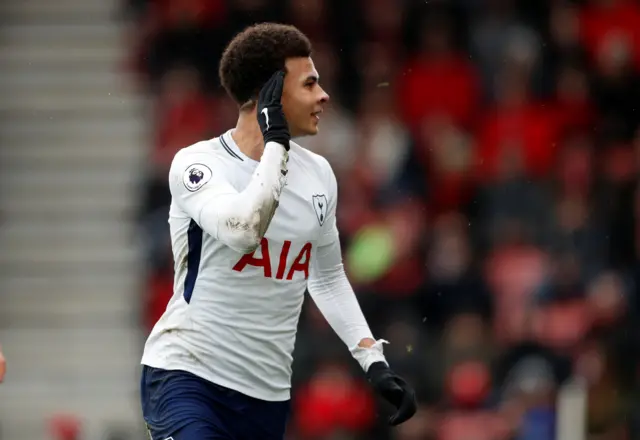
(199, 186)
(237, 218)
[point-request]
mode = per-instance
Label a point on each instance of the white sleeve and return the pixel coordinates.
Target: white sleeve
(332, 292)
(199, 186)
(329, 232)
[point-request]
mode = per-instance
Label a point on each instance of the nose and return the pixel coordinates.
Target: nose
(324, 96)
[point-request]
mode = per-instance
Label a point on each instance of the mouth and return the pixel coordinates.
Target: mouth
(316, 115)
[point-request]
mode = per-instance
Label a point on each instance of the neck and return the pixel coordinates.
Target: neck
(247, 135)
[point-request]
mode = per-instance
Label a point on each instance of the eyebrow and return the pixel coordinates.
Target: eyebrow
(312, 78)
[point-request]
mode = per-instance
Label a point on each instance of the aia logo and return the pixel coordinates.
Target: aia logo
(300, 263)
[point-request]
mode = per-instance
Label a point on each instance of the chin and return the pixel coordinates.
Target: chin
(306, 131)
(314, 128)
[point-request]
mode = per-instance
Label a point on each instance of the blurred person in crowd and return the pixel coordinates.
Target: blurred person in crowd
(243, 13)
(406, 355)
(604, 21)
(572, 99)
(616, 85)
(338, 140)
(453, 285)
(607, 367)
(183, 114)
(499, 37)
(514, 271)
(421, 427)
(310, 17)
(445, 152)
(383, 22)
(333, 402)
(563, 39)
(438, 79)
(511, 202)
(382, 142)
(468, 411)
(530, 377)
(463, 334)
(517, 122)
(178, 31)
(379, 69)
(623, 197)
(385, 255)
(576, 224)
(218, 362)
(608, 300)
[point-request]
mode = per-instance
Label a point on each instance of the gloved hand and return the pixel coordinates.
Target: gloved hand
(394, 390)
(270, 115)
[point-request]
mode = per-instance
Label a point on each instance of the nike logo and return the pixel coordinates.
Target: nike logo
(265, 112)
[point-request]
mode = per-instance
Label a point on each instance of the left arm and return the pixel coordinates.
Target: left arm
(331, 291)
(334, 296)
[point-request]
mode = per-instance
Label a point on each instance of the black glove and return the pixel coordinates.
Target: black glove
(270, 115)
(394, 390)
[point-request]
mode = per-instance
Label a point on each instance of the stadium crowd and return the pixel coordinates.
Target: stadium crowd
(487, 154)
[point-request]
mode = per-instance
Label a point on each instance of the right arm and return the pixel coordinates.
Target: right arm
(238, 219)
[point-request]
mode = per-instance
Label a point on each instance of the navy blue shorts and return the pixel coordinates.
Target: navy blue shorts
(181, 406)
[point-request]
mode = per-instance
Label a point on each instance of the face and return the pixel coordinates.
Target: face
(303, 99)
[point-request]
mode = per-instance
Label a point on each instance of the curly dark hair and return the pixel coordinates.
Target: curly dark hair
(255, 54)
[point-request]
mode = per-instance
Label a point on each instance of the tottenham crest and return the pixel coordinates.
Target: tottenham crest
(195, 176)
(320, 206)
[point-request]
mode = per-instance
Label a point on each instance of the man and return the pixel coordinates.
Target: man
(253, 225)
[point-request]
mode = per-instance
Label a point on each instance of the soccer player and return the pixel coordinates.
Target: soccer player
(253, 225)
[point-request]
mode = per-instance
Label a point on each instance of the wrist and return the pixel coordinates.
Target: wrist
(278, 146)
(366, 343)
(368, 355)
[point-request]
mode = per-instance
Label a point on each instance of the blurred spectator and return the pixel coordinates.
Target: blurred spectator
(572, 99)
(498, 39)
(333, 402)
(518, 124)
(563, 39)
(177, 31)
(529, 376)
(445, 154)
(453, 285)
(184, 114)
(309, 16)
(608, 23)
(438, 80)
(338, 140)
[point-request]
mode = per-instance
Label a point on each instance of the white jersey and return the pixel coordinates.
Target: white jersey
(233, 317)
